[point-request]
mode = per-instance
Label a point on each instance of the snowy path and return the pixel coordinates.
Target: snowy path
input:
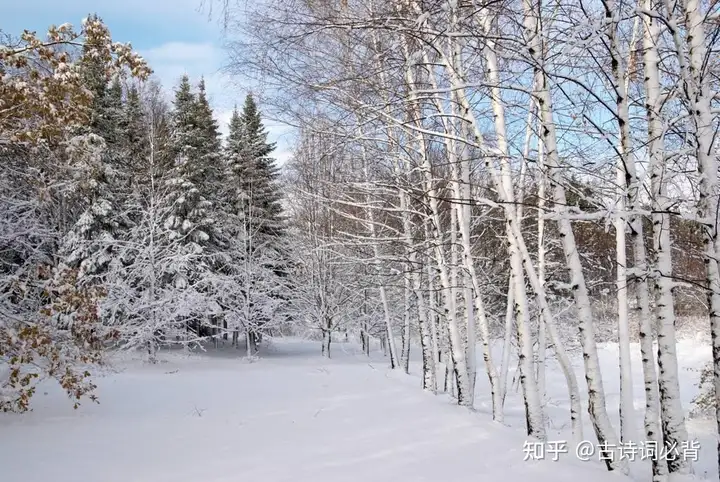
(290, 417)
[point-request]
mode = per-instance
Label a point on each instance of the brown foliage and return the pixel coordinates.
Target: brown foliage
(66, 335)
(43, 102)
(41, 89)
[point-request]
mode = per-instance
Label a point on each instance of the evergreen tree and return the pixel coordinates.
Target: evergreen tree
(101, 178)
(209, 146)
(190, 217)
(253, 171)
(254, 221)
(110, 117)
(135, 143)
(207, 125)
(95, 78)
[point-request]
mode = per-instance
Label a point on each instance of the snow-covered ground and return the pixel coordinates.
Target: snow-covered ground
(692, 356)
(293, 416)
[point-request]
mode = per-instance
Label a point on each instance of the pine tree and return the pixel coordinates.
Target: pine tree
(110, 116)
(207, 125)
(187, 213)
(95, 78)
(191, 215)
(51, 177)
(208, 144)
(236, 165)
(248, 153)
(102, 177)
(134, 138)
(254, 221)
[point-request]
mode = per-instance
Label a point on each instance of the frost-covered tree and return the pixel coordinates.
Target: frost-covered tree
(191, 217)
(99, 167)
(48, 319)
(252, 215)
(156, 292)
(134, 142)
(248, 153)
(209, 146)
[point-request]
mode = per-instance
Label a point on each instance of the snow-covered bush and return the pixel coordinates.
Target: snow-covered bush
(704, 403)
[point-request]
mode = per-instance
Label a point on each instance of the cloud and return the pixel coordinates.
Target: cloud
(173, 59)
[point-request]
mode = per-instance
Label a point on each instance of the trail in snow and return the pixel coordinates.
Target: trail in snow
(292, 416)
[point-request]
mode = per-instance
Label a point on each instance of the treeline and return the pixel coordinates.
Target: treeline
(125, 221)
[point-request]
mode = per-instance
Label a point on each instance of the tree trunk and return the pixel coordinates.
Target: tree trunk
(152, 351)
(596, 394)
(624, 151)
(370, 216)
(432, 316)
(326, 340)
(702, 125)
(507, 339)
(542, 336)
(405, 355)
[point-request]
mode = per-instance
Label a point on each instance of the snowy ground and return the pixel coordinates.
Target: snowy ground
(292, 416)
(692, 356)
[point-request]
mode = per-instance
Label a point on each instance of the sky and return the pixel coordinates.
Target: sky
(174, 36)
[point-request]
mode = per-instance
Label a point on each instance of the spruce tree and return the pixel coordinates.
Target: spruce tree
(101, 179)
(134, 136)
(207, 125)
(253, 201)
(190, 217)
(209, 146)
(254, 171)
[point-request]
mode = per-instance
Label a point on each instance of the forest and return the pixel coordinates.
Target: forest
(500, 187)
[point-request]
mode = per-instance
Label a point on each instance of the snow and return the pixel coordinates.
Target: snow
(693, 354)
(295, 416)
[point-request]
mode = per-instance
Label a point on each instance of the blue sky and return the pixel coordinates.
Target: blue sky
(175, 36)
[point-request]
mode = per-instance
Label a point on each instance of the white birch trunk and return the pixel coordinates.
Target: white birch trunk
(475, 310)
(432, 313)
(405, 355)
(624, 151)
(596, 395)
(507, 339)
(542, 335)
(457, 348)
(626, 386)
(370, 215)
(415, 276)
(455, 294)
(697, 89)
(707, 169)
(429, 365)
(673, 419)
(653, 431)
(534, 418)
(533, 403)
